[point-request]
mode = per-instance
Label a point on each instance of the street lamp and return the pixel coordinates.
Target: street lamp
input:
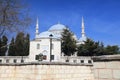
(50, 45)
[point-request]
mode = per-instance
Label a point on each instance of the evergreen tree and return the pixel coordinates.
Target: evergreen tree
(90, 48)
(26, 45)
(0, 44)
(99, 50)
(19, 44)
(110, 50)
(3, 45)
(12, 48)
(68, 42)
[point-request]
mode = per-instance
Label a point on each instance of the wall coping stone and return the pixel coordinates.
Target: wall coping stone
(44, 63)
(106, 58)
(14, 56)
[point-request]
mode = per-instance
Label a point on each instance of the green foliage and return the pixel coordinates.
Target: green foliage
(17, 47)
(3, 45)
(110, 50)
(11, 50)
(21, 45)
(92, 48)
(26, 44)
(0, 45)
(89, 48)
(68, 42)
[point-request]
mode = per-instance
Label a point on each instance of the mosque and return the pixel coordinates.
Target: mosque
(48, 45)
(42, 42)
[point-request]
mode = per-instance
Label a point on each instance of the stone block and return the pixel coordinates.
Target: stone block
(96, 73)
(61, 71)
(99, 65)
(105, 73)
(58, 67)
(56, 71)
(116, 74)
(4, 75)
(67, 71)
(113, 65)
(42, 72)
(58, 76)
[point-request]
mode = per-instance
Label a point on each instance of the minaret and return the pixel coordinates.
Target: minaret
(37, 29)
(83, 28)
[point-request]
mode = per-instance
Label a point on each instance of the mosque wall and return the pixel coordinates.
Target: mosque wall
(42, 46)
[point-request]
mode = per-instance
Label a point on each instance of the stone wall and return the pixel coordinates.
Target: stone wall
(103, 68)
(107, 67)
(46, 71)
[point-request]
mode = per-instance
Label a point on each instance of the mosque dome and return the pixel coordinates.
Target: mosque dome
(57, 27)
(56, 30)
(45, 34)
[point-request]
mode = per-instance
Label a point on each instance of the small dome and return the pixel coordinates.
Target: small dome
(84, 38)
(57, 27)
(75, 37)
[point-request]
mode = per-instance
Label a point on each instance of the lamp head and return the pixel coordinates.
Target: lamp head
(50, 35)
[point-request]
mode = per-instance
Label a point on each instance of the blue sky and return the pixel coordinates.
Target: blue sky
(101, 17)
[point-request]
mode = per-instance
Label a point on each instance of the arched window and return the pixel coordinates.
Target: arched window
(38, 46)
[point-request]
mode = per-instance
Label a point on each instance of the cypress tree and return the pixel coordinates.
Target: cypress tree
(0, 45)
(26, 45)
(110, 50)
(12, 48)
(19, 44)
(90, 48)
(3, 45)
(68, 42)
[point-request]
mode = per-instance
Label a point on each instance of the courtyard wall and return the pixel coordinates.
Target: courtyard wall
(46, 71)
(102, 68)
(107, 67)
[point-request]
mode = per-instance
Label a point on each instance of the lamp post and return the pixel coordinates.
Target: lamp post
(50, 46)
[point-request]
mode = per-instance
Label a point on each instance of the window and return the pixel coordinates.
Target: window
(38, 46)
(44, 57)
(89, 61)
(52, 57)
(67, 60)
(82, 61)
(75, 61)
(7, 61)
(15, 61)
(37, 57)
(22, 61)
(0, 61)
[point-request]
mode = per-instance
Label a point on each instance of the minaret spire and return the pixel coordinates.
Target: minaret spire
(83, 28)
(37, 28)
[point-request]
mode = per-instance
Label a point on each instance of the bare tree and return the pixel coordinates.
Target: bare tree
(13, 16)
